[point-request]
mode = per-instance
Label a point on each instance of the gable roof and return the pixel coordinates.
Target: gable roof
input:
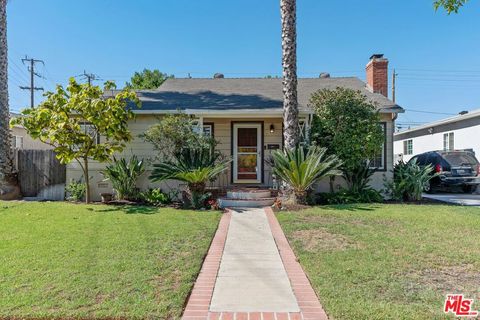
(244, 94)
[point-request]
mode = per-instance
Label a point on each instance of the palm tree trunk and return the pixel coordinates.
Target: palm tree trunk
(289, 64)
(7, 173)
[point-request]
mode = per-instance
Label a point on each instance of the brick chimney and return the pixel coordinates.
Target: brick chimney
(377, 74)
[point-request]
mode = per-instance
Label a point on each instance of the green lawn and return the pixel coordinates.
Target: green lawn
(94, 261)
(388, 261)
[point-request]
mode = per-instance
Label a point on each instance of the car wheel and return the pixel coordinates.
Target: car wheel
(427, 187)
(468, 189)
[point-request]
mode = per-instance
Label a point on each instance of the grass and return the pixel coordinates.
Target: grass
(91, 261)
(387, 261)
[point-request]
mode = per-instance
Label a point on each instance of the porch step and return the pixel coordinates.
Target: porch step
(249, 194)
(245, 203)
(247, 197)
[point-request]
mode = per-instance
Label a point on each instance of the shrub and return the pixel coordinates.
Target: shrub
(358, 177)
(75, 191)
(346, 196)
(196, 167)
(409, 181)
(156, 197)
(300, 170)
(123, 175)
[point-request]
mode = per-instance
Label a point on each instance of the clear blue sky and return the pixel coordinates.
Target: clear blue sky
(436, 56)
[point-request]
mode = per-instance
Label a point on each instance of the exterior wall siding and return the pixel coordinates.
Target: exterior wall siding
(464, 138)
(28, 142)
(222, 133)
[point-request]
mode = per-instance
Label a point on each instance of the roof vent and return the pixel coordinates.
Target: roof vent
(462, 112)
(324, 75)
(218, 76)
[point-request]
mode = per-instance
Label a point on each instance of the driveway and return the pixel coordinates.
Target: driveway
(456, 198)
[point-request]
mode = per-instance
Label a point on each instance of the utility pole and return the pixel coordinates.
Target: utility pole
(394, 77)
(32, 87)
(89, 77)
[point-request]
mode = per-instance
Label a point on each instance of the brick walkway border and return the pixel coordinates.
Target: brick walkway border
(307, 299)
(199, 301)
(202, 292)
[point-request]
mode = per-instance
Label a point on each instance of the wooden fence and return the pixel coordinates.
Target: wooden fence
(40, 174)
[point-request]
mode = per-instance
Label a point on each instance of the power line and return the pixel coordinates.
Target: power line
(33, 74)
(431, 112)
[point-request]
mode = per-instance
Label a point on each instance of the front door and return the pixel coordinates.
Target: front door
(247, 153)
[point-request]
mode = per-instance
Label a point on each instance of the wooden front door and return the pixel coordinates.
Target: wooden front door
(247, 153)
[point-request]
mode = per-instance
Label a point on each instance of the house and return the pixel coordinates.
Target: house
(245, 116)
(22, 140)
(457, 132)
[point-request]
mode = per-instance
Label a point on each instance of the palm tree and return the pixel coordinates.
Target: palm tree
(300, 170)
(289, 64)
(195, 167)
(8, 183)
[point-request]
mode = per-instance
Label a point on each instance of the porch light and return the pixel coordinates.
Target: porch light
(272, 128)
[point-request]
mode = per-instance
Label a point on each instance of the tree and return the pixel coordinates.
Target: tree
(450, 5)
(72, 120)
(175, 132)
(347, 124)
(291, 131)
(147, 79)
(8, 181)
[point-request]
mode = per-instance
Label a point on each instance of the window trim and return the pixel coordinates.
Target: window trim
(384, 151)
(406, 148)
(447, 138)
(212, 126)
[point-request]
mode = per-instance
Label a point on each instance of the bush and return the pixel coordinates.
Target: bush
(123, 175)
(345, 196)
(195, 167)
(75, 191)
(300, 170)
(358, 177)
(156, 197)
(409, 181)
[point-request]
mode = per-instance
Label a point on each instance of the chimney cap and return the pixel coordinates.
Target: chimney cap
(324, 75)
(218, 76)
(376, 56)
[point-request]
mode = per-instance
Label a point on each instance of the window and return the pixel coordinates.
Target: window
(378, 162)
(408, 147)
(17, 142)
(448, 141)
(89, 129)
(208, 129)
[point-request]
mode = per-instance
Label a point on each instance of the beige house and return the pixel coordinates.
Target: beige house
(245, 116)
(21, 140)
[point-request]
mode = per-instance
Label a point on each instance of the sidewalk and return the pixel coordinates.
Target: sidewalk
(251, 273)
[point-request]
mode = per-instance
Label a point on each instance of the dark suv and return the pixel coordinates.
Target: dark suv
(458, 168)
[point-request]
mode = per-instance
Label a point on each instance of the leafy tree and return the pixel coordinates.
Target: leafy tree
(347, 125)
(450, 5)
(175, 132)
(73, 118)
(147, 79)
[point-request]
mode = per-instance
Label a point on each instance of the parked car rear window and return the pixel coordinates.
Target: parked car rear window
(460, 158)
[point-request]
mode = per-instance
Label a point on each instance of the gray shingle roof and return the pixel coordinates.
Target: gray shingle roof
(244, 94)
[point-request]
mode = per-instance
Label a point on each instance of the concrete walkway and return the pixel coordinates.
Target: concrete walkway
(455, 198)
(251, 273)
(252, 276)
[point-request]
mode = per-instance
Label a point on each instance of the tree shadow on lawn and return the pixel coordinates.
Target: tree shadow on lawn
(354, 207)
(131, 209)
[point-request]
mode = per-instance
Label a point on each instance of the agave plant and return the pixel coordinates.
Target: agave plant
(195, 167)
(410, 180)
(123, 175)
(300, 170)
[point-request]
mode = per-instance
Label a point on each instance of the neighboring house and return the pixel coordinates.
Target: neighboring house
(458, 132)
(22, 140)
(245, 116)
